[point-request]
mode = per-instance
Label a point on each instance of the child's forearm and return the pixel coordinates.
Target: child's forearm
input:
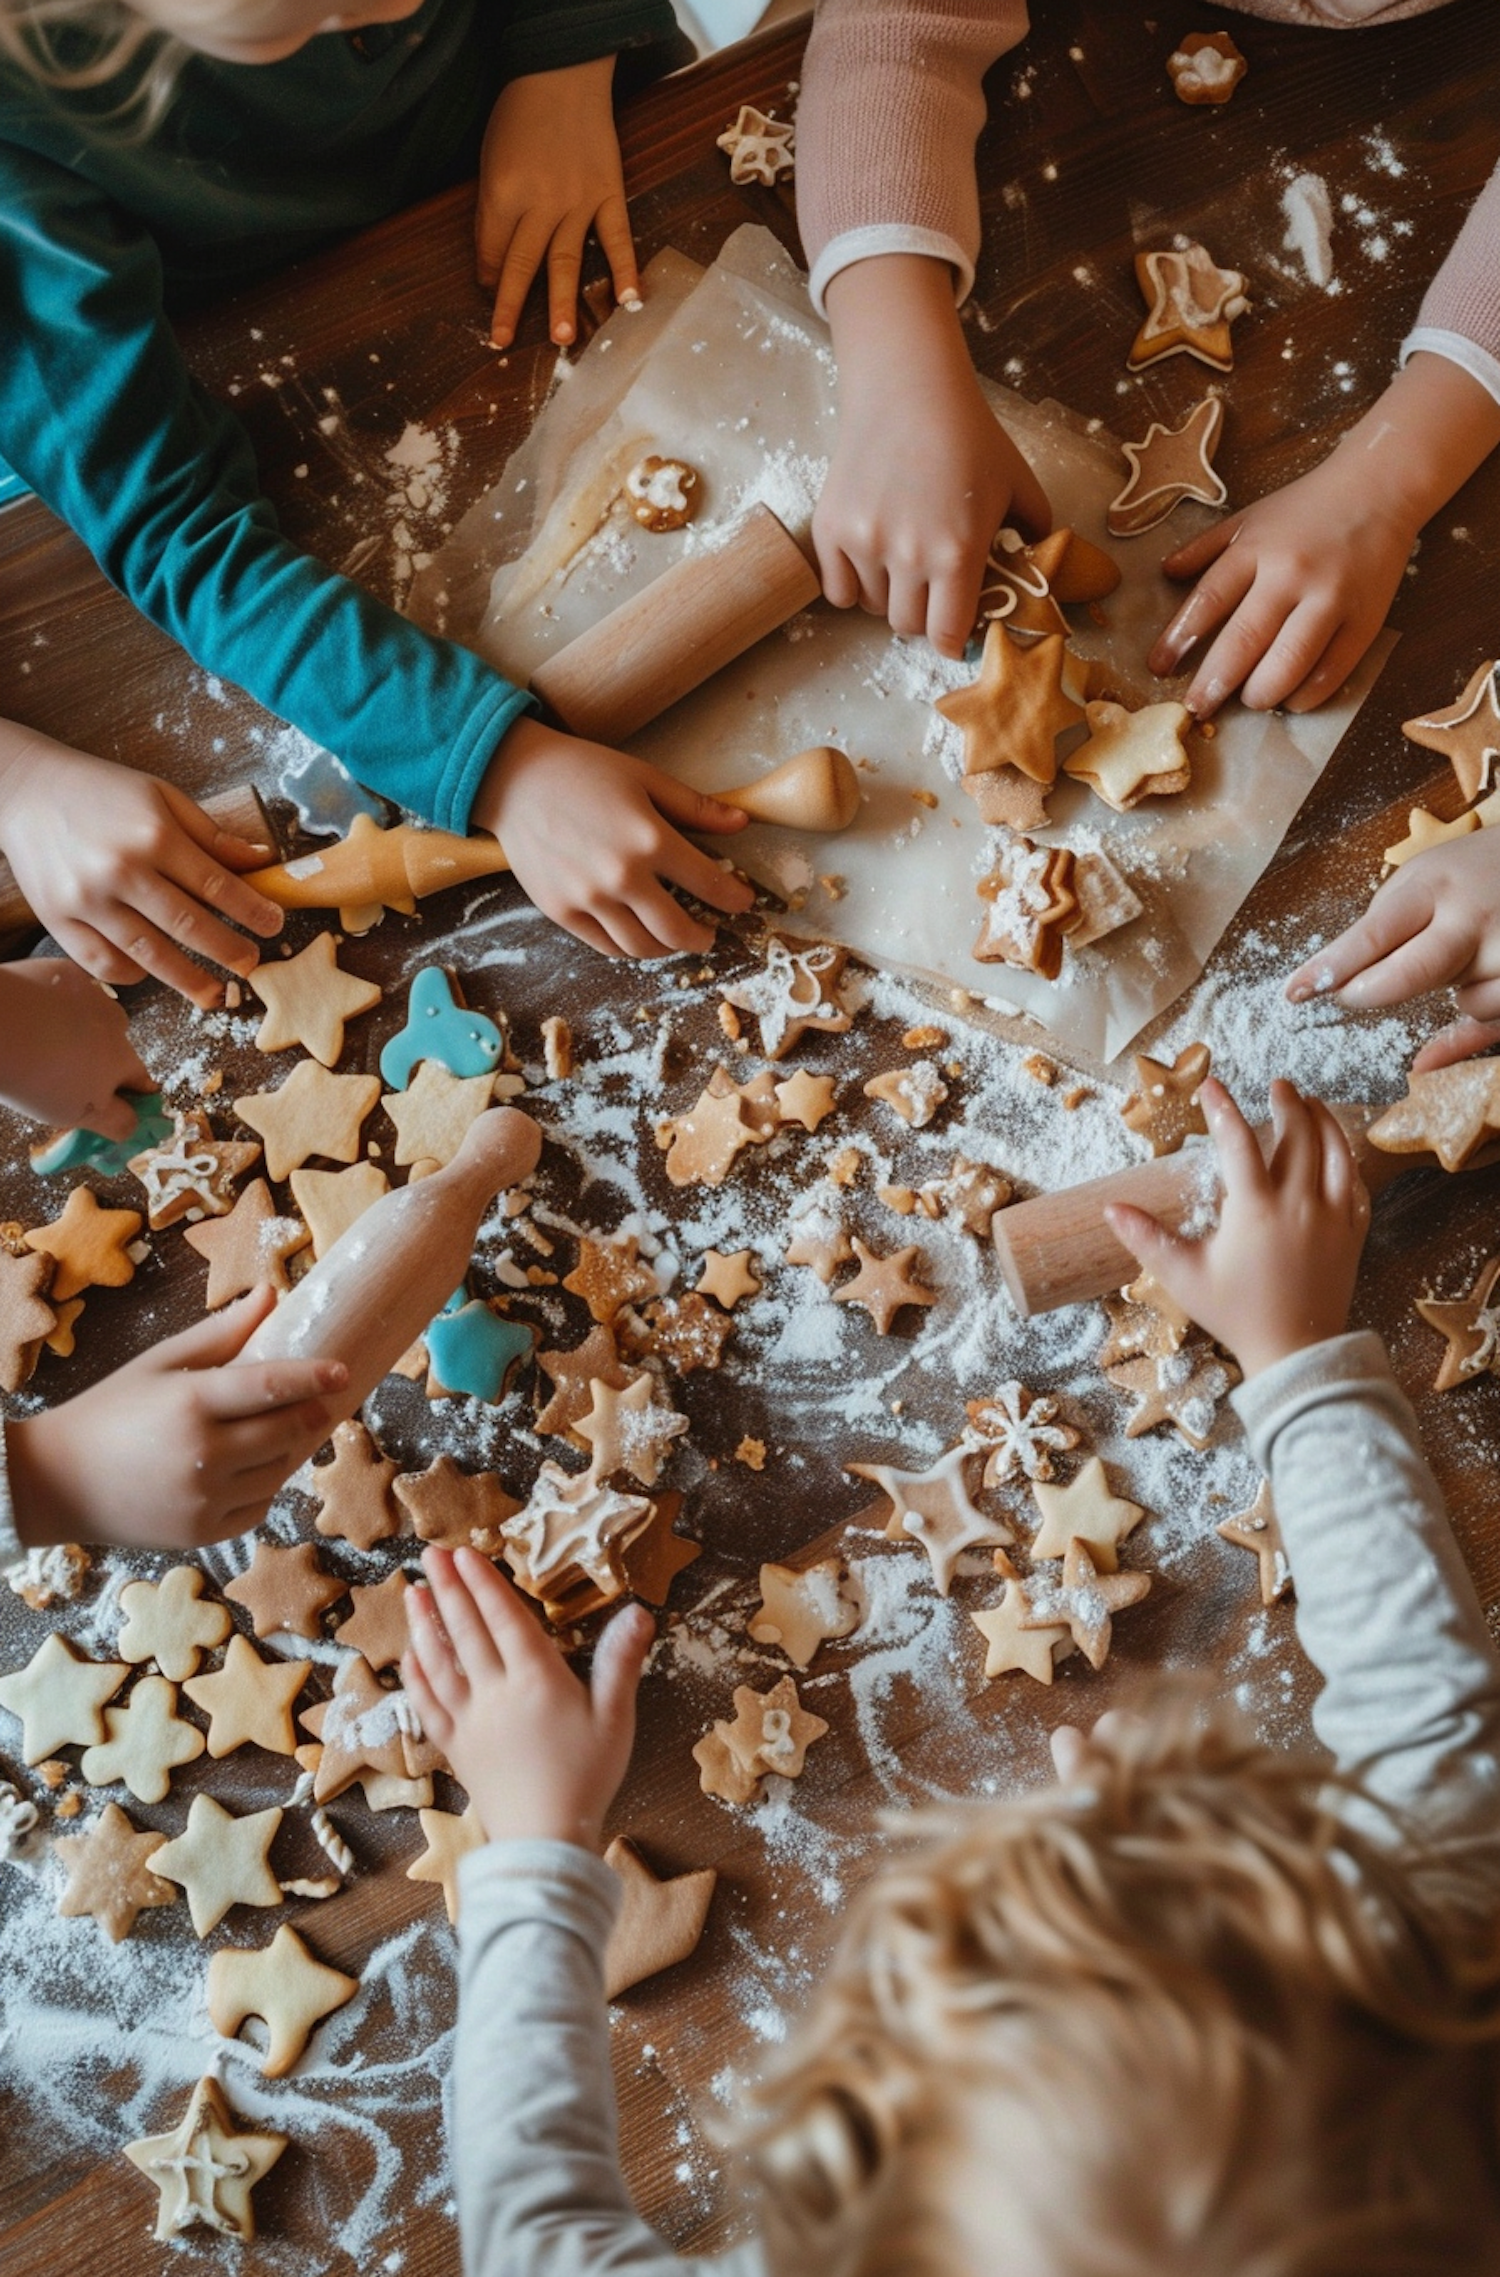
(1417, 445)
(897, 296)
(1385, 1606)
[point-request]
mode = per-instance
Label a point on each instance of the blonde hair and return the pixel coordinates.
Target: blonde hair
(110, 38)
(1177, 2016)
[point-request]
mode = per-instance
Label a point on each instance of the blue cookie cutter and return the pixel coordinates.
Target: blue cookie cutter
(439, 1027)
(472, 1349)
(89, 1150)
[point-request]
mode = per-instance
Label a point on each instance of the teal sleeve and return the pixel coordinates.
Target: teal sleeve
(547, 35)
(99, 414)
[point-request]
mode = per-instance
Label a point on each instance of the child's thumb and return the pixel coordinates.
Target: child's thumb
(214, 1342)
(618, 1661)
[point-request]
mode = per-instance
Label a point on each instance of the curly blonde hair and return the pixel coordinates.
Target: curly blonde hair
(78, 45)
(1177, 2016)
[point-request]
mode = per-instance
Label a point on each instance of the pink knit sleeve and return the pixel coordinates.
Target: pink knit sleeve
(1463, 300)
(890, 111)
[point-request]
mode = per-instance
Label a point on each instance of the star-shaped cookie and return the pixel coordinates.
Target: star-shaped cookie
(1133, 755)
(308, 998)
(283, 1984)
(727, 1278)
(88, 1244)
(1031, 907)
(794, 993)
(659, 1922)
(1471, 1327)
(1170, 464)
(248, 1702)
(362, 1727)
(331, 1200)
(25, 1315)
(206, 2168)
(884, 1285)
(285, 1588)
(610, 1273)
(703, 1144)
(1448, 1111)
(571, 1526)
(1181, 1388)
(1086, 1510)
(191, 1174)
(449, 1839)
(802, 1607)
(434, 1113)
(686, 1333)
(571, 1375)
(1190, 304)
(1014, 712)
(1164, 1107)
(59, 1698)
(769, 1737)
(109, 1873)
(311, 1113)
(651, 1559)
(1466, 733)
(377, 1626)
(249, 1248)
(1085, 1601)
(456, 1509)
(1258, 1531)
(819, 1240)
(805, 1099)
(221, 1861)
(473, 1349)
(354, 1490)
(1013, 1640)
(1425, 831)
(933, 1508)
(629, 1430)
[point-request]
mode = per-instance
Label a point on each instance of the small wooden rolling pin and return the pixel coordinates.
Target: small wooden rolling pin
(1057, 1250)
(370, 1296)
(239, 811)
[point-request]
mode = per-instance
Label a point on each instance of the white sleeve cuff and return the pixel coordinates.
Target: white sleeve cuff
(12, 1549)
(1467, 354)
(888, 237)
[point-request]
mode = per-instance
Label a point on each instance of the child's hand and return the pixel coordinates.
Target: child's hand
(1434, 924)
(1077, 1754)
(65, 1049)
(923, 474)
(1295, 588)
(549, 170)
(541, 1754)
(127, 872)
(589, 833)
(1277, 1273)
(177, 1448)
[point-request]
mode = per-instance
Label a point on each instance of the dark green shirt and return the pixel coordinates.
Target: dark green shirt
(102, 232)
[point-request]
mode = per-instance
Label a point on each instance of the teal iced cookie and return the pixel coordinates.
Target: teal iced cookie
(472, 1349)
(439, 1027)
(89, 1150)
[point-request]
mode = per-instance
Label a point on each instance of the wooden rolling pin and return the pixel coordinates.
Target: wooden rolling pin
(1057, 1250)
(700, 614)
(372, 1294)
(373, 870)
(239, 810)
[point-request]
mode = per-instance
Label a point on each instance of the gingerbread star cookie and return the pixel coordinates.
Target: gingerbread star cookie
(1133, 755)
(795, 993)
(1085, 1601)
(659, 1922)
(206, 2168)
(144, 1742)
(354, 1490)
(1105, 900)
(760, 147)
(1181, 1388)
(609, 1274)
(1086, 1510)
(311, 1113)
(1206, 68)
(727, 1278)
(770, 1736)
(1030, 903)
(1014, 712)
(1258, 1531)
(449, 1839)
(805, 1099)
(884, 1286)
(221, 1861)
(971, 1194)
(169, 1621)
(572, 1375)
(685, 1332)
(377, 1626)
(1190, 304)
(802, 1607)
(249, 1248)
(109, 1873)
(191, 1174)
(1471, 1327)
(89, 1246)
(1164, 1108)
(1170, 464)
(308, 998)
(59, 1698)
(363, 1727)
(1448, 1111)
(286, 1588)
(284, 1985)
(1017, 1430)
(819, 1240)
(933, 1508)
(629, 1430)
(569, 1532)
(703, 1145)
(456, 1509)
(651, 1560)
(1012, 1637)
(1466, 733)
(26, 1318)
(1017, 591)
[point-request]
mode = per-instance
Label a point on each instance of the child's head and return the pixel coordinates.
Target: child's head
(90, 43)
(1170, 2017)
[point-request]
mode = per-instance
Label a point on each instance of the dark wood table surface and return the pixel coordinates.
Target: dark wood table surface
(1085, 148)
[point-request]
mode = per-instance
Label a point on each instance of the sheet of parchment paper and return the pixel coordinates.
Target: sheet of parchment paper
(730, 369)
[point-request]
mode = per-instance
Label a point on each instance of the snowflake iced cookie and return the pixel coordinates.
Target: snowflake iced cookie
(1190, 305)
(769, 1737)
(1471, 1328)
(1164, 1108)
(664, 494)
(1206, 68)
(1017, 1430)
(1467, 732)
(1167, 466)
(760, 148)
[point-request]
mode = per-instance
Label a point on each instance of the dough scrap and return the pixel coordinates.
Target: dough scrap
(284, 1985)
(659, 1922)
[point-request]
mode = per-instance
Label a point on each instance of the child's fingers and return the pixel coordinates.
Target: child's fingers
(468, 1628)
(1343, 1187)
(1214, 598)
(112, 1116)
(431, 1648)
(636, 937)
(1427, 959)
(1246, 637)
(1400, 912)
(523, 257)
(214, 881)
(1296, 1156)
(1299, 646)
(588, 930)
(1461, 1039)
(1328, 676)
(672, 928)
(514, 1632)
(495, 223)
(1147, 1239)
(612, 228)
(1069, 1752)
(246, 1389)
(215, 1340)
(564, 271)
(186, 923)
(695, 810)
(839, 576)
(952, 606)
(284, 1433)
(1191, 559)
(1030, 509)
(151, 951)
(907, 613)
(619, 1660)
(1241, 1163)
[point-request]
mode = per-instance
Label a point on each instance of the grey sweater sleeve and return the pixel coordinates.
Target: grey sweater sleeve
(535, 2137)
(1385, 1607)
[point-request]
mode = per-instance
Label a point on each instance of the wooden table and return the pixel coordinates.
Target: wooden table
(1084, 148)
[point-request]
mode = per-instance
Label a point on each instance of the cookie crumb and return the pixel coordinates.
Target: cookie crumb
(53, 1772)
(752, 1453)
(843, 1167)
(833, 885)
(924, 1039)
(901, 1199)
(1039, 1068)
(924, 798)
(1074, 1099)
(213, 1081)
(540, 1278)
(69, 1805)
(234, 996)
(557, 1048)
(729, 1021)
